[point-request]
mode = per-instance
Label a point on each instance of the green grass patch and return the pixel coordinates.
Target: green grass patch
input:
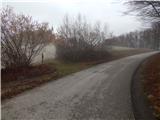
(66, 68)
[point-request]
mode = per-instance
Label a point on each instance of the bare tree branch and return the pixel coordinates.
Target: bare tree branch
(147, 9)
(22, 38)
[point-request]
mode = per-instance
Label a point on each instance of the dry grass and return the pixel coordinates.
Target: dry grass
(15, 81)
(116, 54)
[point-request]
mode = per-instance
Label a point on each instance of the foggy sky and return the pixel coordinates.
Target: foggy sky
(53, 11)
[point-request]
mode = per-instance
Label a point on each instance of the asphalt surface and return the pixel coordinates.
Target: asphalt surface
(98, 93)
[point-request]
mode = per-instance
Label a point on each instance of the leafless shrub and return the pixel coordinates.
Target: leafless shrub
(22, 38)
(79, 40)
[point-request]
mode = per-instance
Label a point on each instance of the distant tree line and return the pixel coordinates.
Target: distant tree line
(148, 11)
(149, 38)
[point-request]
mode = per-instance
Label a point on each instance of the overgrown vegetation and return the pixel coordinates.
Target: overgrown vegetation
(21, 38)
(80, 41)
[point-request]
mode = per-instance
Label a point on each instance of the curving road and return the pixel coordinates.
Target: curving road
(100, 93)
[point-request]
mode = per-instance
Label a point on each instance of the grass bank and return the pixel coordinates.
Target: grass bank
(151, 78)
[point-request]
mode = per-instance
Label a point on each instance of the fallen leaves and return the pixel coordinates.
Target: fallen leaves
(151, 74)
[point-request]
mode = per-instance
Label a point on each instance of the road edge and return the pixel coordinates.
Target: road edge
(140, 104)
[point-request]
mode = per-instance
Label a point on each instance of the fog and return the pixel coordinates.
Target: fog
(53, 11)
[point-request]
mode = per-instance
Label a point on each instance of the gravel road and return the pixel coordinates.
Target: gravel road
(98, 93)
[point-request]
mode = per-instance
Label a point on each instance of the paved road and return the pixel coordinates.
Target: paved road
(100, 93)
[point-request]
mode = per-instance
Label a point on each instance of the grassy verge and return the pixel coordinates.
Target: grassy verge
(16, 83)
(151, 76)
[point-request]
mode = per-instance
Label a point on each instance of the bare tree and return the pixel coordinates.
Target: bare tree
(22, 38)
(78, 39)
(147, 9)
(156, 35)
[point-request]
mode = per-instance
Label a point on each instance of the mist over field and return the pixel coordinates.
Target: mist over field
(80, 59)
